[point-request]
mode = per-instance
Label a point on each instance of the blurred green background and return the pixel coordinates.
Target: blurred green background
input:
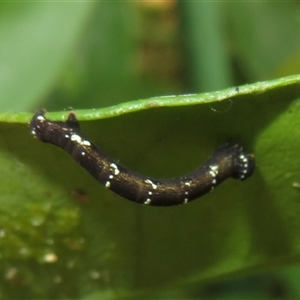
(63, 56)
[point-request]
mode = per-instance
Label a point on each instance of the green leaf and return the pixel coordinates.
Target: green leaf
(55, 218)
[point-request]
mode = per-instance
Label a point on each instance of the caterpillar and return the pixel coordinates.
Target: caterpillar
(227, 161)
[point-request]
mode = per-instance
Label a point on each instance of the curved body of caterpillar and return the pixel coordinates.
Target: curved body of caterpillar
(227, 161)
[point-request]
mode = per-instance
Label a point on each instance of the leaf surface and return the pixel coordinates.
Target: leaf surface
(239, 228)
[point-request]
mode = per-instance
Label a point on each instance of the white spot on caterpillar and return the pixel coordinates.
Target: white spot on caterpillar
(214, 170)
(154, 186)
(148, 201)
(67, 136)
(188, 183)
(40, 118)
(244, 164)
(85, 143)
(115, 167)
(107, 183)
(115, 171)
(76, 138)
(186, 198)
(83, 153)
(243, 158)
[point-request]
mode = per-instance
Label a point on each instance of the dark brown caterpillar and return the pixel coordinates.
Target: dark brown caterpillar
(227, 161)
